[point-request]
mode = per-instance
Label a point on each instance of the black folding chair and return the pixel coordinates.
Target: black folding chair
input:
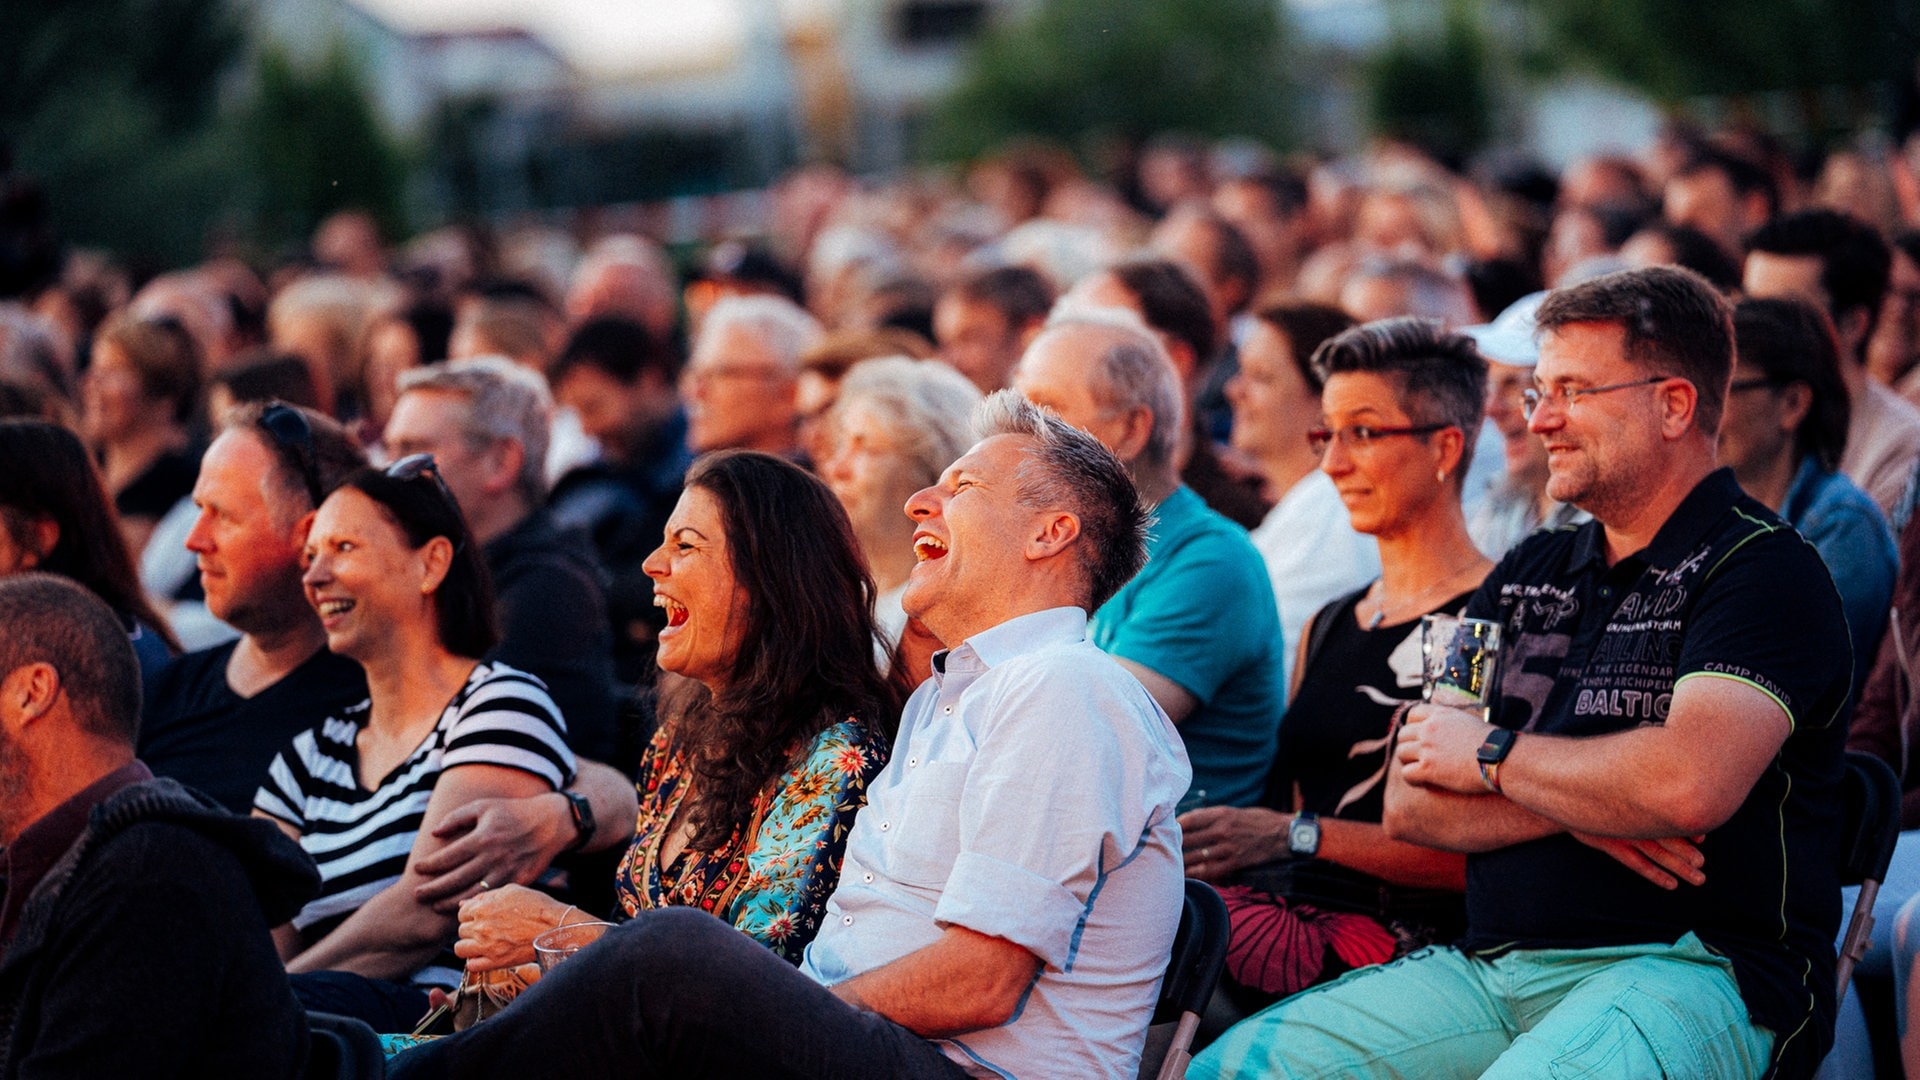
(1199, 954)
(342, 1048)
(1870, 825)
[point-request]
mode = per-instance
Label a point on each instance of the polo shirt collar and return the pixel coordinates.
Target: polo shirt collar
(1687, 526)
(1682, 532)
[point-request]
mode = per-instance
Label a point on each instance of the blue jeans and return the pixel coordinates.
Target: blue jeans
(677, 993)
(1643, 1010)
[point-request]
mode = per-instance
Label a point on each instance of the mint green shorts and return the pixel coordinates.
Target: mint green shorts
(1633, 1011)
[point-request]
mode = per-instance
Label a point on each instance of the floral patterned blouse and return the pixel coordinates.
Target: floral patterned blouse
(772, 886)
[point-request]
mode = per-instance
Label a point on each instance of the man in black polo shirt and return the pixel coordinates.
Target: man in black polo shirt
(1651, 824)
(213, 719)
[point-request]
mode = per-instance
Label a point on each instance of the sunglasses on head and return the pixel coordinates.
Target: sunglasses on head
(416, 466)
(291, 432)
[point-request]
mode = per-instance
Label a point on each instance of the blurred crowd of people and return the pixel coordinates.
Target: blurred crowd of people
(207, 452)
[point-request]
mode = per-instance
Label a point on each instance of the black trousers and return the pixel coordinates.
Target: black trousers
(678, 993)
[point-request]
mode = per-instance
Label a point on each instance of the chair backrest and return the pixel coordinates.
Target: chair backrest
(1193, 971)
(1870, 818)
(342, 1048)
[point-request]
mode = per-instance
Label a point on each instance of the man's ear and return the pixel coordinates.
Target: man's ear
(31, 690)
(1679, 404)
(504, 462)
(1135, 432)
(1053, 533)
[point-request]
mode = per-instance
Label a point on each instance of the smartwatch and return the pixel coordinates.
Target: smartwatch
(1492, 752)
(1303, 836)
(583, 824)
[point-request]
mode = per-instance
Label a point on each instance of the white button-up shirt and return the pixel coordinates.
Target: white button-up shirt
(1030, 797)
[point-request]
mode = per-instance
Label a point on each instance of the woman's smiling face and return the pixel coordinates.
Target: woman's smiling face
(693, 580)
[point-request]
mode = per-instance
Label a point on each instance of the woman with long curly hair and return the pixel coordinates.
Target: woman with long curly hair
(777, 722)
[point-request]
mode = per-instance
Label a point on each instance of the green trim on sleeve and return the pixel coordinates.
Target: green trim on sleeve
(1792, 724)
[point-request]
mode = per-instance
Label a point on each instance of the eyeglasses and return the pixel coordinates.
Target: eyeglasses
(291, 432)
(1532, 399)
(1361, 436)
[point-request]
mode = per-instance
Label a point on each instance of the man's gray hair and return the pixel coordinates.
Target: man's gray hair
(924, 405)
(1068, 469)
(783, 325)
(504, 400)
(1135, 372)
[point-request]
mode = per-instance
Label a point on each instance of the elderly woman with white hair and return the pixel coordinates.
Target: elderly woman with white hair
(896, 424)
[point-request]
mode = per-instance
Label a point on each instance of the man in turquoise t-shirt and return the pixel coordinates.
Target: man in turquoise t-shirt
(1198, 626)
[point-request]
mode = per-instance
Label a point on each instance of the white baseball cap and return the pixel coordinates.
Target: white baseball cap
(1509, 338)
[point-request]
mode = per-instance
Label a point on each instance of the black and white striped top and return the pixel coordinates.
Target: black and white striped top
(361, 839)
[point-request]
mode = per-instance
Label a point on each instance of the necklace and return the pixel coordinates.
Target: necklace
(1418, 601)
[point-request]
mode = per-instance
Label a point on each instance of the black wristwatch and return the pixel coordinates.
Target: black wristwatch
(1303, 836)
(583, 823)
(1492, 752)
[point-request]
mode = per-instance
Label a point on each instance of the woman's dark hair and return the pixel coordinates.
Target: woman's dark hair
(807, 659)
(423, 508)
(1306, 325)
(49, 476)
(1441, 376)
(1791, 341)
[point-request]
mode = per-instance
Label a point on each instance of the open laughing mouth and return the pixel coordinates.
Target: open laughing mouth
(926, 547)
(330, 608)
(676, 611)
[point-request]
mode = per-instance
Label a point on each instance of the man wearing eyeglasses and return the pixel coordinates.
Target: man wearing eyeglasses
(1650, 819)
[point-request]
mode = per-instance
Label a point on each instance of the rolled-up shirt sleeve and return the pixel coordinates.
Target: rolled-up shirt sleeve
(1043, 821)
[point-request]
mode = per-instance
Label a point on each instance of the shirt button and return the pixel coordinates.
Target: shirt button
(911, 762)
(868, 878)
(948, 709)
(846, 920)
(885, 825)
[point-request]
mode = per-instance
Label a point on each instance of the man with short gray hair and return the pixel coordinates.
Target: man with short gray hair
(1199, 626)
(1010, 894)
(486, 421)
(741, 382)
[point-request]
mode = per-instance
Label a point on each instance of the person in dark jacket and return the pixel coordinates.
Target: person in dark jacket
(134, 913)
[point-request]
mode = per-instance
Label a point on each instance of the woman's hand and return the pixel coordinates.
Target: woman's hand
(497, 927)
(1220, 840)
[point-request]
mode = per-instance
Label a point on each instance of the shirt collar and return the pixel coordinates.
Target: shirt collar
(1023, 634)
(1687, 526)
(42, 843)
(1683, 530)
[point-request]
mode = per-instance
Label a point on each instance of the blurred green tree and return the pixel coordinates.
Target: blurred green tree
(1435, 90)
(1673, 51)
(1070, 68)
(314, 144)
(113, 106)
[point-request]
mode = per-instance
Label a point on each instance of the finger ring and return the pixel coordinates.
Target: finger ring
(484, 886)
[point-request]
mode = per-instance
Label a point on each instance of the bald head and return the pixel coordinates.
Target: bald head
(1108, 375)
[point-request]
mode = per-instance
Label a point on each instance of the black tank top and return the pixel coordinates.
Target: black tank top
(1333, 739)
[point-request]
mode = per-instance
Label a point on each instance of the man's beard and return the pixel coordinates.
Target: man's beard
(13, 790)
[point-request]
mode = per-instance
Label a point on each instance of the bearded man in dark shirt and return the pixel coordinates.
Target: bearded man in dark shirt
(1650, 819)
